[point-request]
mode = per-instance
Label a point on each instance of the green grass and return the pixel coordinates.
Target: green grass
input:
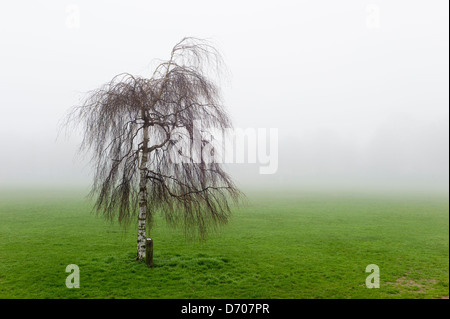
(291, 245)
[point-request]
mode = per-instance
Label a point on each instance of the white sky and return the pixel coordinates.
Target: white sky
(358, 89)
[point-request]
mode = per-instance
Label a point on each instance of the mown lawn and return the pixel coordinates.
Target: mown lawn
(281, 245)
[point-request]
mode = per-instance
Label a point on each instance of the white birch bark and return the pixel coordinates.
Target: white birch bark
(142, 199)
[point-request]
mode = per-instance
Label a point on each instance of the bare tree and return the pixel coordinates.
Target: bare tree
(143, 139)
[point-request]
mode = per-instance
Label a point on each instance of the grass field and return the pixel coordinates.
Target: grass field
(281, 245)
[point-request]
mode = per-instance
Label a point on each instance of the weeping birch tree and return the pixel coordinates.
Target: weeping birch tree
(149, 153)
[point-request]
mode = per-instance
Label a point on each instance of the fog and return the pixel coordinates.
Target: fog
(358, 90)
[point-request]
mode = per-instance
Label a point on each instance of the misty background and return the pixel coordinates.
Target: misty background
(358, 90)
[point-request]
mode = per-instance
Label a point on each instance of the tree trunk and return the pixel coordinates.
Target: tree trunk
(142, 198)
